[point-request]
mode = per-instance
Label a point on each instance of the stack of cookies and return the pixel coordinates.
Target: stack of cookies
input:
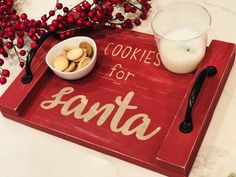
(74, 58)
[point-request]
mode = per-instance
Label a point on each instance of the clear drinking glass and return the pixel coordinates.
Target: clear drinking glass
(180, 31)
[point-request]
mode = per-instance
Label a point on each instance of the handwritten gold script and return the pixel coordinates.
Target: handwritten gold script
(106, 110)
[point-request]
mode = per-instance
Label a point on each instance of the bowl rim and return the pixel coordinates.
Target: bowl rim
(93, 58)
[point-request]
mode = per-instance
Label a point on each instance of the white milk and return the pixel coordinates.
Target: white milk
(182, 49)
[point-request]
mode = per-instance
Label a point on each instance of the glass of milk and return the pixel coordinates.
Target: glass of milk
(180, 31)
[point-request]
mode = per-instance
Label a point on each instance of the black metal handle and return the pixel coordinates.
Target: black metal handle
(27, 78)
(186, 125)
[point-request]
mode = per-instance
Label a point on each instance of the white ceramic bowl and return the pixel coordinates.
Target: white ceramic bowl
(59, 48)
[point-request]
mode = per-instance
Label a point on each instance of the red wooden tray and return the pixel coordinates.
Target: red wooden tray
(129, 106)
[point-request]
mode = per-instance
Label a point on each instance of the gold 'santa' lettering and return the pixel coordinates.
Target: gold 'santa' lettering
(105, 110)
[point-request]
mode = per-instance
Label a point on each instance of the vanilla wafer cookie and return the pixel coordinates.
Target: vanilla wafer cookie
(67, 48)
(60, 63)
(84, 62)
(87, 47)
(71, 67)
(82, 57)
(74, 54)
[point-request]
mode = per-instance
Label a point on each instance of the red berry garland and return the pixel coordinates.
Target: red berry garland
(3, 73)
(15, 28)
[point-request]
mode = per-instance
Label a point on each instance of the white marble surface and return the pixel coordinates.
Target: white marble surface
(25, 152)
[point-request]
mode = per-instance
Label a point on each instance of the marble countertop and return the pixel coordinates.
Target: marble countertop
(26, 152)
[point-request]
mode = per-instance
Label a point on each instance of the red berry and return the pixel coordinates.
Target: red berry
(66, 9)
(52, 28)
(16, 17)
(20, 40)
(128, 9)
(35, 38)
(123, 25)
(43, 24)
(137, 22)
(68, 33)
(130, 25)
(9, 45)
(109, 8)
(86, 5)
(22, 52)
(9, 3)
(99, 15)
(133, 10)
(128, 21)
(78, 8)
(22, 64)
(54, 22)
(27, 29)
(3, 80)
(60, 26)
(51, 12)
(90, 14)
(22, 26)
(5, 54)
(33, 30)
(59, 5)
(95, 19)
(38, 22)
(119, 16)
(23, 16)
(82, 15)
(2, 50)
(8, 29)
(62, 36)
(34, 45)
(1, 61)
(144, 1)
(143, 16)
(5, 73)
(65, 18)
(79, 22)
(19, 45)
(3, 24)
(5, 36)
(113, 25)
(20, 33)
(44, 18)
(98, 8)
(12, 37)
(32, 23)
(147, 7)
(41, 32)
(59, 18)
(70, 19)
(88, 23)
(30, 34)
